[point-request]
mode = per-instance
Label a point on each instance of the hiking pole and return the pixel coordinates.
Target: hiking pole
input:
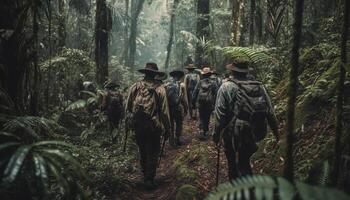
(161, 151)
(217, 164)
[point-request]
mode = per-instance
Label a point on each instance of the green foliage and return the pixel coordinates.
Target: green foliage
(39, 166)
(187, 160)
(186, 192)
(254, 55)
(269, 188)
(64, 74)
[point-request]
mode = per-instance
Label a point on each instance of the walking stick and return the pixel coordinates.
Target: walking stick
(217, 164)
(161, 151)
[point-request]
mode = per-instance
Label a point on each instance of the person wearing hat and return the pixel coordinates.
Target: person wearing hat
(178, 105)
(204, 96)
(241, 132)
(112, 105)
(148, 116)
(190, 81)
(216, 77)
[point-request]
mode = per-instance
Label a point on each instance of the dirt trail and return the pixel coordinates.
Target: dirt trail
(166, 173)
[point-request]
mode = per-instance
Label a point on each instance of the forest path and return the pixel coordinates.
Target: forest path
(167, 177)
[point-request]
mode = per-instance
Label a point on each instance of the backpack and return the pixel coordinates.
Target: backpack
(145, 108)
(192, 80)
(112, 103)
(173, 94)
(250, 105)
(205, 93)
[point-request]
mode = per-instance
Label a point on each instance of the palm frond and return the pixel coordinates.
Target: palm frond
(249, 53)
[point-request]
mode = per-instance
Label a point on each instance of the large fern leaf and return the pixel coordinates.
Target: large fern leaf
(263, 187)
(254, 55)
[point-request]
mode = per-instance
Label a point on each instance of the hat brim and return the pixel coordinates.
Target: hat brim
(191, 67)
(144, 71)
(206, 73)
(177, 73)
(161, 77)
(236, 69)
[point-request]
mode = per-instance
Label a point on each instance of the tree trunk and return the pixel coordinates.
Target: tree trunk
(259, 21)
(123, 59)
(171, 34)
(61, 25)
(135, 12)
(292, 90)
(252, 22)
(236, 21)
(203, 11)
(35, 90)
(101, 42)
(340, 100)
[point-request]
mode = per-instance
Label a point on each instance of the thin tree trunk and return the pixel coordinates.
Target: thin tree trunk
(135, 12)
(203, 11)
(61, 25)
(123, 59)
(292, 90)
(35, 90)
(252, 22)
(259, 21)
(237, 21)
(171, 34)
(101, 42)
(340, 99)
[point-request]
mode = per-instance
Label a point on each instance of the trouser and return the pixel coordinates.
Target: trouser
(176, 123)
(113, 123)
(204, 117)
(191, 109)
(238, 151)
(149, 148)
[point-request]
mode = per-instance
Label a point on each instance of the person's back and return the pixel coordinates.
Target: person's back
(204, 95)
(241, 110)
(148, 113)
(190, 81)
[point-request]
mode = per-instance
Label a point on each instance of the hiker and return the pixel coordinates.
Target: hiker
(191, 80)
(216, 77)
(178, 105)
(241, 110)
(148, 111)
(204, 96)
(112, 105)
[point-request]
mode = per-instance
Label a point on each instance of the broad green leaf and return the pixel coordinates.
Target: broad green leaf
(14, 165)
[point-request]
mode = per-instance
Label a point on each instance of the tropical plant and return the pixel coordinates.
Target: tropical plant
(255, 55)
(270, 188)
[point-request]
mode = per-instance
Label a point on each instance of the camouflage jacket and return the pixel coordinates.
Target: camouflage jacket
(163, 111)
(223, 113)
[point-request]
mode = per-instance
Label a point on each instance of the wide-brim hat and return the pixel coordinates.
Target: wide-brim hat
(161, 77)
(206, 71)
(239, 66)
(190, 66)
(177, 73)
(151, 68)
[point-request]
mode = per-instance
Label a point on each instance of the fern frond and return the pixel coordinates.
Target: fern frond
(240, 189)
(252, 54)
(31, 125)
